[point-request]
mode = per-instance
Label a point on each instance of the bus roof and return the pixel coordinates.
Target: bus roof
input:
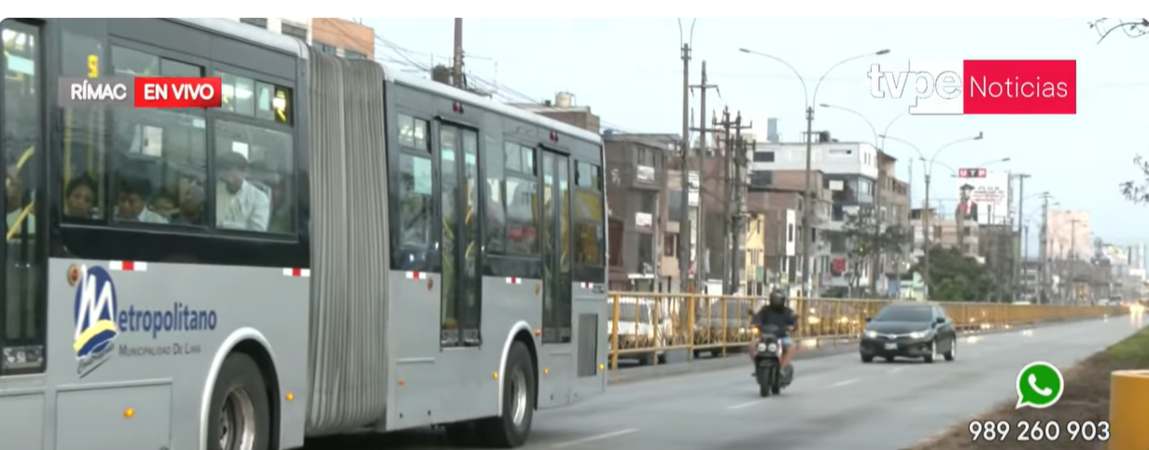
(483, 102)
(252, 34)
(297, 48)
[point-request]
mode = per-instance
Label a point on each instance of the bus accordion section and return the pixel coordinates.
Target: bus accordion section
(348, 318)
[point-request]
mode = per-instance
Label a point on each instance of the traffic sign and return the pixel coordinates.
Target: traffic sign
(976, 172)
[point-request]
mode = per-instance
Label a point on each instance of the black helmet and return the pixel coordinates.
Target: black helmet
(777, 299)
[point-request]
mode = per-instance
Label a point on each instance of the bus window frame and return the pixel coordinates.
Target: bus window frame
(581, 271)
(210, 116)
(502, 263)
(45, 198)
(433, 262)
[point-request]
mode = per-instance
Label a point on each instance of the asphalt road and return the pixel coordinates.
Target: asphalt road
(836, 401)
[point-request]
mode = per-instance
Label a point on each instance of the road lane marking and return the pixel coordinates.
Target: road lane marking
(896, 370)
(743, 405)
(844, 383)
(595, 438)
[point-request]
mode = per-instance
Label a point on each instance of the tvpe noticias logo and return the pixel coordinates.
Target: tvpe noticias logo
(142, 92)
(981, 86)
(95, 318)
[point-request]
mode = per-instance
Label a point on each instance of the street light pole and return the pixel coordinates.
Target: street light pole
(684, 220)
(807, 232)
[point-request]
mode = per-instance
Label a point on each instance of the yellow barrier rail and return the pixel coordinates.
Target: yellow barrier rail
(646, 325)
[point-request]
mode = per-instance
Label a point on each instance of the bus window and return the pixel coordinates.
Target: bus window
(21, 315)
(253, 178)
(134, 63)
(84, 136)
(159, 155)
(588, 223)
(495, 228)
(522, 200)
(412, 202)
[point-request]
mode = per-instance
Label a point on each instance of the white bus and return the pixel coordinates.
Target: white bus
(335, 249)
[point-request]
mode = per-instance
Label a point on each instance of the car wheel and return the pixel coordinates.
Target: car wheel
(953, 351)
(240, 416)
(933, 351)
(867, 358)
(511, 427)
(889, 359)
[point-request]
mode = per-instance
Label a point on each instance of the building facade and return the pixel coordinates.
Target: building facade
(852, 173)
(640, 258)
(563, 109)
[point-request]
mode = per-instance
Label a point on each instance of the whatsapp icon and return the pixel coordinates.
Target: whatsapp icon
(1039, 385)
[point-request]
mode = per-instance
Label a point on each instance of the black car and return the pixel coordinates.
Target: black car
(916, 330)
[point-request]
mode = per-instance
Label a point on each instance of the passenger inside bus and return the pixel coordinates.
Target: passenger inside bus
(80, 197)
(130, 201)
(240, 205)
(164, 204)
(191, 207)
(14, 190)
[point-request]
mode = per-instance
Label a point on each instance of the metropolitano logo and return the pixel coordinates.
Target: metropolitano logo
(980, 86)
(95, 319)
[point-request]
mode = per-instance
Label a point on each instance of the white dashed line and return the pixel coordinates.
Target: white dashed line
(844, 383)
(743, 405)
(595, 438)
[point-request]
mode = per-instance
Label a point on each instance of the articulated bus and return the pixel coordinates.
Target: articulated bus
(335, 249)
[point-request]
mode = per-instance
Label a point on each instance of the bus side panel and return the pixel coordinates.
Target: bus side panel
(415, 378)
(22, 419)
(170, 323)
(591, 322)
(432, 384)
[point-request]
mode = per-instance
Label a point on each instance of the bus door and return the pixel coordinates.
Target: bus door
(459, 200)
(22, 308)
(556, 252)
(556, 247)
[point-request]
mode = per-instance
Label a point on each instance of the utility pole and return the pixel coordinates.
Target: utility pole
(1019, 262)
(457, 66)
(1043, 269)
(701, 129)
(739, 149)
(926, 235)
(684, 220)
(1073, 258)
(807, 204)
(726, 225)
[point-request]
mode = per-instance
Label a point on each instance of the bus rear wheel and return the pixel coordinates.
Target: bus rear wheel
(513, 425)
(239, 414)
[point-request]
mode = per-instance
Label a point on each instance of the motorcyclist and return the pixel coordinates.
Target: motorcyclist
(783, 319)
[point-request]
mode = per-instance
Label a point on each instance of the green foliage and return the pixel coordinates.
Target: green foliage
(954, 276)
(863, 240)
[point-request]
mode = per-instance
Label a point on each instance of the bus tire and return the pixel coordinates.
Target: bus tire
(239, 418)
(513, 425)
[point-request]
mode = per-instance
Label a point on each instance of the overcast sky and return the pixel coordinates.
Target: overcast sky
(629, 72)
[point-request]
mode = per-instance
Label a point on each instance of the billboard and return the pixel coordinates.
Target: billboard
(988, 193)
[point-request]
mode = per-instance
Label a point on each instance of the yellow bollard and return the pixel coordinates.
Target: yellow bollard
(1128, 395)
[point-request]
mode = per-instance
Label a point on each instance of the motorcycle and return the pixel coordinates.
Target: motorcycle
(768, 366)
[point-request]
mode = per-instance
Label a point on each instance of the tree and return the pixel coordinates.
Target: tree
(863, 239)
(1134, 191)
(954, 276)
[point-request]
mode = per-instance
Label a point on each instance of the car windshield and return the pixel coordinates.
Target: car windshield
(904, 314)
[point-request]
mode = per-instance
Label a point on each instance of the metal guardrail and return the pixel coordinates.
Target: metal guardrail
(645, 325)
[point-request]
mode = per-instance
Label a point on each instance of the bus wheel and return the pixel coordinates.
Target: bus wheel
(239, 414)
(511, 428)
